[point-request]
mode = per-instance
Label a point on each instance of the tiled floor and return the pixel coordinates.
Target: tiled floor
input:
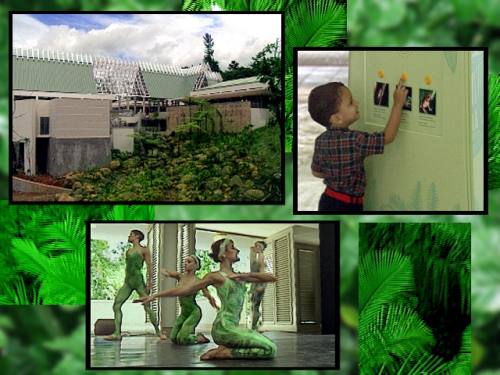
(294, 350)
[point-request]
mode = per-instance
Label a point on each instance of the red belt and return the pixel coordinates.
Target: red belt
(346, 198)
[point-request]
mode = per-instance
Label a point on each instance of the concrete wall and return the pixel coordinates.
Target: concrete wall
(80, 118)
(79, 154)
(259, 117)
(123, 139)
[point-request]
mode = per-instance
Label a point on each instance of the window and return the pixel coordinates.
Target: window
(44, 126)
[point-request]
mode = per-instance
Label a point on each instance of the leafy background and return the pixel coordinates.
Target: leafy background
(55, 340)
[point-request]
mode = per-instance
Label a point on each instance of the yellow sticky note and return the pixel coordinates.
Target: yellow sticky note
(428, 79)
(404, 76)
(380, 73)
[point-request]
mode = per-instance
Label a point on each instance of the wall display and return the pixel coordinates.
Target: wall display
(438, 128)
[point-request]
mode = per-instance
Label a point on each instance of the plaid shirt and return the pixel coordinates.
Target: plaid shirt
(339, 154)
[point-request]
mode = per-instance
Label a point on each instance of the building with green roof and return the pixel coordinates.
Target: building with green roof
(70, 109)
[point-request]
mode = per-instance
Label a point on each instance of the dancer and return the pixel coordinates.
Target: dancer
(257, 264)
(233, 341)
(185, 324)
(134, 260)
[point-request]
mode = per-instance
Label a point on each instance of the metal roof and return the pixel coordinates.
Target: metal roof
(234, 82)
(52, 76)
(64, 72)
(168, 86)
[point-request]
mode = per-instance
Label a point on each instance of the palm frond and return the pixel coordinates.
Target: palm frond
(385, 276)
(68, 234)
(394, 334)
(16, 292)
(64, 281)
(28, 258)
(314, 23)
(493, 131)
(426, 364)
(131, 213)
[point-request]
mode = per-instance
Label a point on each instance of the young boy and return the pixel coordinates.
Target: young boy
(339, 153)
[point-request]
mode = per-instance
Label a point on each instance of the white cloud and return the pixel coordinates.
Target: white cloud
(175, 39)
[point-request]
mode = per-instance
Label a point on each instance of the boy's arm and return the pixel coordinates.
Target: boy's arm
(318, 174)
(391, 129)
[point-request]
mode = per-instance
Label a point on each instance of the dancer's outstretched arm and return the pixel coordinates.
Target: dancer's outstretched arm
(173, 274)
(255, 277)
(185, 290)
(210, 298)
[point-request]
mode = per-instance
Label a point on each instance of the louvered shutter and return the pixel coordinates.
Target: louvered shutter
(307, 295)
(283, 293)
(268, 305)
(154, 248)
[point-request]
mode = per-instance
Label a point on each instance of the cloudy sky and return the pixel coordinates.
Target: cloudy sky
(173, 39)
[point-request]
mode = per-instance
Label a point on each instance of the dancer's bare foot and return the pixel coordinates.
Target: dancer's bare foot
(162, 336)
(220, 352)
(113, 338)
(201, 338)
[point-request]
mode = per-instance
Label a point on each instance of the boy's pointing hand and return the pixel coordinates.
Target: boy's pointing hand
(400, 94)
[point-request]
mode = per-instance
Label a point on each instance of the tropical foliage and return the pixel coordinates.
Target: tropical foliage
(191, 166)
(426, 23)
(43, 259)
(414, 298)
(494, 132)
(107, 265)
(309, 23)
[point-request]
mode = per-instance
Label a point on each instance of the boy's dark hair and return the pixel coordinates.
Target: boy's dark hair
(324, 101)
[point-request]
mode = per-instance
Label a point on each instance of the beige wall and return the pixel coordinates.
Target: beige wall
(80, 118)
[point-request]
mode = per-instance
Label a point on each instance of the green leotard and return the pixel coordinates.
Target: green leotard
(256, 295)
(185, 324)
(245, 343)
(133, 281)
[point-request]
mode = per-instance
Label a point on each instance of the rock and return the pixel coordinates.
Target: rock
(213, 183)
(186, 179)
(255, 194)
(115, 164)
(65, 197)
(235, 180)
(105, 171)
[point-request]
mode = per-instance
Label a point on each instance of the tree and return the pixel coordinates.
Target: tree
(209, 53)
(236, 71)
(267, 66)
